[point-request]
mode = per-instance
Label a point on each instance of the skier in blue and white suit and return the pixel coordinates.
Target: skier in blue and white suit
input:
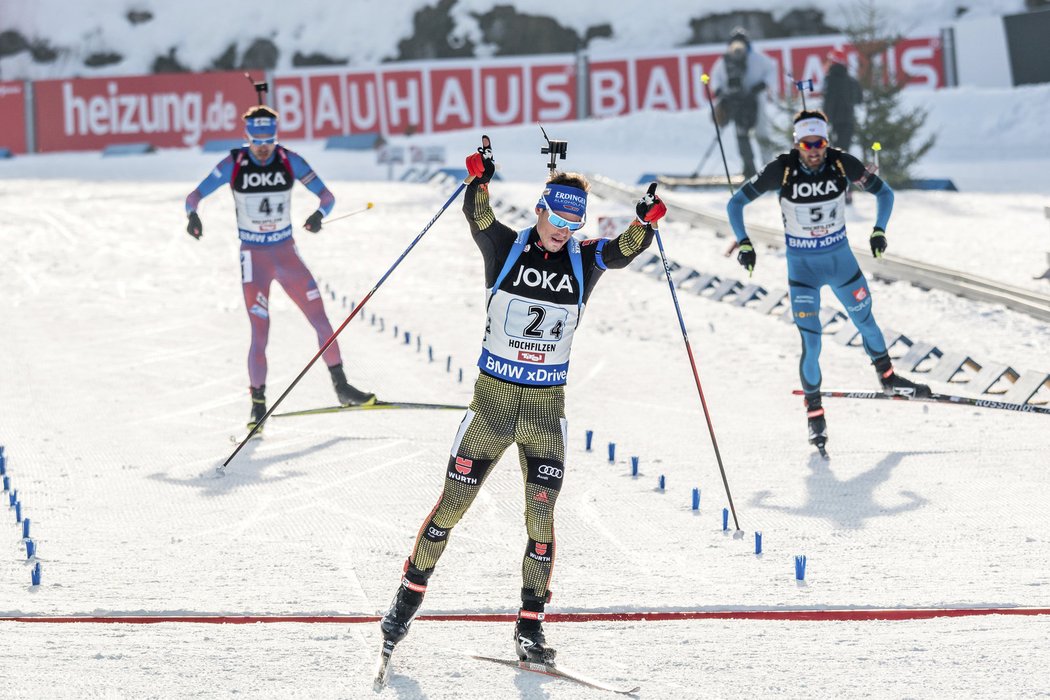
(812, 181)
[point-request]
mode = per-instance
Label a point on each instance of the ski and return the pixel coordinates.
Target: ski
(383, 667)
(236, 440)
(376, 406)
(558, 672)
(934, 398)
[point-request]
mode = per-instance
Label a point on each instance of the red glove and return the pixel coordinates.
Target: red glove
(481, 165)
(650, 208)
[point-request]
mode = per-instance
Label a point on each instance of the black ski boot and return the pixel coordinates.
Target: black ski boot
(818, 425)
(529, 641)
(895, 385)
(347, 393)
(258, 406)
(403, 609)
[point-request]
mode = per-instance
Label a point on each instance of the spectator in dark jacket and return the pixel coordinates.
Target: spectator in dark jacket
(842, 94)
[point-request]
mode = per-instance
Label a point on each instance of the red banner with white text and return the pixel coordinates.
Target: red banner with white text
(431, 97)
(13, 116)
(163, 110)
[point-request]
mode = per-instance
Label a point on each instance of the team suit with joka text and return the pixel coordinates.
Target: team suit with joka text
(262, 195)
(813, 206)
(535, 301)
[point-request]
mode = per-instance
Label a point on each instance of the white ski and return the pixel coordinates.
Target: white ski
(559, 672)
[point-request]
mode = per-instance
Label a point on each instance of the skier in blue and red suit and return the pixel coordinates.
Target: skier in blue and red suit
(261, 176)
(812, 180)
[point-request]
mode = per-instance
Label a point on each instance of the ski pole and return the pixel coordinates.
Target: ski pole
(692, 363)
(356, 309)
(707, 154)
(349, 214)
(801, 86)
(706, 79)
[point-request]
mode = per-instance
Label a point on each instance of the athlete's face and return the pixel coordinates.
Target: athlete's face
(812, 149)
(552, 237)
(262, 146)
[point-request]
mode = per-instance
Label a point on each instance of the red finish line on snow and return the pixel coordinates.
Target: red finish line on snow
(892, 614)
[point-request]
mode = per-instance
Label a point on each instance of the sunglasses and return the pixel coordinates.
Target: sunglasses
(560, 222)
(262, 142)
(813, 145)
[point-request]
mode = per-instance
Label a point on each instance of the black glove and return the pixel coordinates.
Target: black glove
(650, 208)
(746, 255)
(481, 165)
(758, 88)
(313, 222)
(194, 227)
(878, 242)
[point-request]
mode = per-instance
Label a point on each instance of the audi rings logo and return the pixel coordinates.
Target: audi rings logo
(548, 470)
(436, 533)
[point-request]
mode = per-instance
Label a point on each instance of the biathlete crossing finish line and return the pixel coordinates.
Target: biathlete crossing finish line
(811, 181)
(539, 280)
(260, 175)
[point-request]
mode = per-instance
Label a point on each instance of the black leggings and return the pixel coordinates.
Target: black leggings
(501, 414)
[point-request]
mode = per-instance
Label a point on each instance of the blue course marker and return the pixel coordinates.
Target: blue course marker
(800, 567)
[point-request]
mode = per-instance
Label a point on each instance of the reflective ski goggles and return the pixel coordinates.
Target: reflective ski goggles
(560, 222)
(813, 145)
(262, 142)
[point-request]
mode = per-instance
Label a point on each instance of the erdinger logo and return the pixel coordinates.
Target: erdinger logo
(464, 465)
(263, 180)
(547, 470)
(860, 294)
(531, 356)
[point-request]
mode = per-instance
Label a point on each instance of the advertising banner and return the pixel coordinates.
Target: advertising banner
(171, 110)
(13, 116)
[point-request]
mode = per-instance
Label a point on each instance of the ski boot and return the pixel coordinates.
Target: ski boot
(348, 394)
(258, 406)
(529, 641)
(818, 425)
(895, 385)
(403, 609)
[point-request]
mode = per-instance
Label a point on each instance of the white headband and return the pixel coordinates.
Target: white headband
(811, 127)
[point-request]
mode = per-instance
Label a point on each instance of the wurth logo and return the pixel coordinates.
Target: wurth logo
(541, 549)
(464, 465)
(271, 179)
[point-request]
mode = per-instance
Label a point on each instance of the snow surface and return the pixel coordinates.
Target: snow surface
(122, 377)
(367, 31)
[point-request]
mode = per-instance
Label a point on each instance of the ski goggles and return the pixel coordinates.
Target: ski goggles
(813, 145)
(269, 141)
(561, 222)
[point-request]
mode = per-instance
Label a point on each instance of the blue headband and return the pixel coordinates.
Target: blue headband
(260, 126)
(564, 199)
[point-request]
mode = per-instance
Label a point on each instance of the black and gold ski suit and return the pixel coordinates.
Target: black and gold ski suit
(503, 413)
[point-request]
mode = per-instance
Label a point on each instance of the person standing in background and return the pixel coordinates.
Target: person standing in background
(740, 79)
(842, 94)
